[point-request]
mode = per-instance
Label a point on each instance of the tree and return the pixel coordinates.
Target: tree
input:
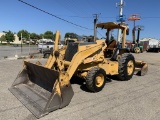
(70, 35)
(41, 36)
(25, 34)
(9, 36)
(2, 38)
(49, 35)
(34, 36)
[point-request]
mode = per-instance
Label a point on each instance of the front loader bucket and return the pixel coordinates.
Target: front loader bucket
(39, 89)
(141, 68)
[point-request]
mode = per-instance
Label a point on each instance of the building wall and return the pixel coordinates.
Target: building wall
(16, 41)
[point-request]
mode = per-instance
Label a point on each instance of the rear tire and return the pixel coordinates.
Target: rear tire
(96, 79)
(126, 66)
(46, 55)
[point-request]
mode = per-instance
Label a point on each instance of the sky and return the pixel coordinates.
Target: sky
(16, 16)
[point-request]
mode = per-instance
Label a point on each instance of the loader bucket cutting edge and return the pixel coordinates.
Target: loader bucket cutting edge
(34, 88)
(141, 68)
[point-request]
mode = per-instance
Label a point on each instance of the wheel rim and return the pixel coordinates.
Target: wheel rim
(137, 50)
(99, 80)
(130, 67)
(47, 56)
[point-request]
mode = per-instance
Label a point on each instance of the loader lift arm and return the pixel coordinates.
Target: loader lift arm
(80, 56)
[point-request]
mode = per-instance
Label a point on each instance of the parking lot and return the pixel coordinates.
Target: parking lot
(10, 51)
(136, 99)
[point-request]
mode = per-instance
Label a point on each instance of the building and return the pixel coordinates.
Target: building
(16, 41)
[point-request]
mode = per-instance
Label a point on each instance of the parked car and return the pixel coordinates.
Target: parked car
(46, 53)
(47, 46)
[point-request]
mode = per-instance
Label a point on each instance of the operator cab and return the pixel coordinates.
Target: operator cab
(114, 48)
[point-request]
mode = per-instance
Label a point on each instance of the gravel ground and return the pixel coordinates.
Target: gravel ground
(136, 99)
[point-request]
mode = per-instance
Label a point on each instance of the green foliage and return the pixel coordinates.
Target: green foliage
(41, 36)
(70, 35)
(2, 38)
(49, 35)
(25, 34)
(34, 36)
(9, 36)
(91, 36)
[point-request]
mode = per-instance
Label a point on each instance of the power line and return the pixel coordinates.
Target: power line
(87, 17)
(150, 17)
(100, 34)
(53, 15)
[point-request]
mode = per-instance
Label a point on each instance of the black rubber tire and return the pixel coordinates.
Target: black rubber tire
(46, 55)
(91, 79)
(122, 67)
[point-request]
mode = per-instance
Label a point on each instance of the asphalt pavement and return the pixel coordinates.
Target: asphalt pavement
(11, 51)
(136, 99)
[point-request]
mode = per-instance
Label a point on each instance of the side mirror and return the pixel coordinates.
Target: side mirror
(127, 31)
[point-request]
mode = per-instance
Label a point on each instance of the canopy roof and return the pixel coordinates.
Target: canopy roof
(110, 25)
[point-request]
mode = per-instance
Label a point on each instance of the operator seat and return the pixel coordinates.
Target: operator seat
(112, 45)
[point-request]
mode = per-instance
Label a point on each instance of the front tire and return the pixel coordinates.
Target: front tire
(126, 66)
(96, 79)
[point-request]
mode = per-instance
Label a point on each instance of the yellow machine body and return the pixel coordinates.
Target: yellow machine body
(43, 89)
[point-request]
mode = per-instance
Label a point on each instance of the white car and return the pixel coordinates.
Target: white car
(47, 46)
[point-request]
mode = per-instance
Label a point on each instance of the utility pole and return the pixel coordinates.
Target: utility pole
(42, 43)
(120, 18)
(95, 22)
(29, 44)
(21, 43)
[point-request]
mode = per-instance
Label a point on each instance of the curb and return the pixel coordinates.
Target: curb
(31, 56)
